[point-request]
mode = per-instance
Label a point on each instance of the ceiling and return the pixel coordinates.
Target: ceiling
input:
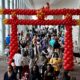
(36, 4)
(39, 3)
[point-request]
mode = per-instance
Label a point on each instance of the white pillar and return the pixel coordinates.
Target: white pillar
(17, 5)
(2, 30)
(8, 16)
(7, 27)
(21, 27)
(12, 4)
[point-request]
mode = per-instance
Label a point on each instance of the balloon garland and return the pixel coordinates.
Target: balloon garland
(45, 10)
(42, 22)
(14, 40)
(68, 48)
(41, 14)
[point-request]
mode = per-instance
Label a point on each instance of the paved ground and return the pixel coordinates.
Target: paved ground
(3, 68)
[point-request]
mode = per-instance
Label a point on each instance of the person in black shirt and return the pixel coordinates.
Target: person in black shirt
(10, 74)
(35, 74)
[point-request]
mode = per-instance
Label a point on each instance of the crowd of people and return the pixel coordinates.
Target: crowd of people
(39, 57)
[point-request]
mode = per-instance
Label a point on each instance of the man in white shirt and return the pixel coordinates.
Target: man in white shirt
(18, 63)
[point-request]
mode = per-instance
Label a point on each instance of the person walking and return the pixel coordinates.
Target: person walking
(18, 63)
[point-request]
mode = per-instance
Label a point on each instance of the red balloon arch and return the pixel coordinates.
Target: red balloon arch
(41, 14)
